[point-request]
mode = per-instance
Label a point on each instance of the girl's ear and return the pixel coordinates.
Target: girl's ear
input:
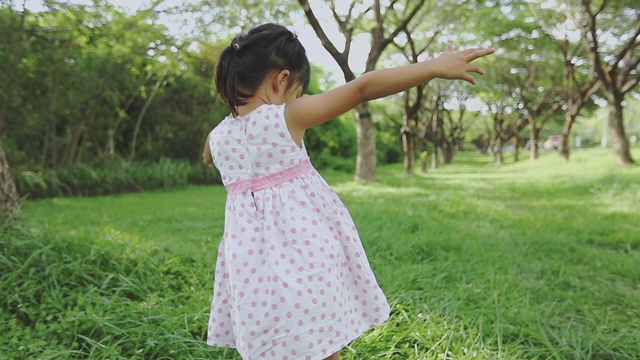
(281, 81)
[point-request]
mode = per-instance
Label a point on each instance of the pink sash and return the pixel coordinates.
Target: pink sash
(257, 183)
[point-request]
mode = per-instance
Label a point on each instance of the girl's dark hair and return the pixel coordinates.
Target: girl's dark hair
(250, 58)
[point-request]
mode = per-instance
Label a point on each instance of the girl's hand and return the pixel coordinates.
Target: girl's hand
(457, 65)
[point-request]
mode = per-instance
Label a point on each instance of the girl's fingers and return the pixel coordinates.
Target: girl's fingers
(478, 53)
(469, 51)
(450, 47)
(476, 69)
(468, 78)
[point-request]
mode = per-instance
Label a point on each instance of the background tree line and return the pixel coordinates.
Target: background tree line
(92, 91)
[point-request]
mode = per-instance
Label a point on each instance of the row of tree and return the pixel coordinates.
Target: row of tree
(555, 58)
(89, 83)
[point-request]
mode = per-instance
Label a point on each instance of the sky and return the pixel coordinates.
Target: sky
(315, 51)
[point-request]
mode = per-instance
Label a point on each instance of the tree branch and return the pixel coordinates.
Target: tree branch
(340, 58)
(630, 84)
(627, 50)
(401, 27)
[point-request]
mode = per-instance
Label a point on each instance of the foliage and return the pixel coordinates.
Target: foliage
(112, 177)
(332, 145)
(95, 82)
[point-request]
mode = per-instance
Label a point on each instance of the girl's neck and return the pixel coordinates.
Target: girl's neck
(250, 106)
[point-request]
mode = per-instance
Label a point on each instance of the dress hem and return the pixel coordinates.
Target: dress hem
(331, 350)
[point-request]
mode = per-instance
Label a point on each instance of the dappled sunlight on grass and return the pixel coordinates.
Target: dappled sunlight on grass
(427, 335)
(366, 190)
(617, 198)
(134, 246)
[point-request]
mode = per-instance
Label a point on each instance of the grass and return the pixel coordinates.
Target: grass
(529, 260)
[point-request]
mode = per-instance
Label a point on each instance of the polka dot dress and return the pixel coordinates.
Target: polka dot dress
(292, 280)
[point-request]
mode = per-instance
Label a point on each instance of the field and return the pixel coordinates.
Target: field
(529, 260)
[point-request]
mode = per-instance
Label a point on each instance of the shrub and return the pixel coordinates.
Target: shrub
(112, 177)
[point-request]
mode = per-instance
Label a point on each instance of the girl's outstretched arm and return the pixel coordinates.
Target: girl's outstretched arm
(308, 111)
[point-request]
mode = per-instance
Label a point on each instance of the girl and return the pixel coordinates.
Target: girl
(292, 280)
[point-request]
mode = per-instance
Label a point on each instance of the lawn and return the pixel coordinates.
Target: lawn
(528, 260)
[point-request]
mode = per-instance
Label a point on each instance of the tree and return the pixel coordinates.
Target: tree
(456, 123)
(12, 50)
(383, 27)
(578, 90)
(414, 43)
(610, 32)
(505, 126)
(505, 121)
(433, 127)
(9, 200)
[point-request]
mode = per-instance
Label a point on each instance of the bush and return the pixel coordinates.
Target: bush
(324, 160)
(112, 177)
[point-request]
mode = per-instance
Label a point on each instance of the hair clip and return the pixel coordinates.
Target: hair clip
(236, 46)
(293, 36)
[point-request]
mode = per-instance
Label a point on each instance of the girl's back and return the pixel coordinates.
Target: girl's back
(256, 144)
(292, 278)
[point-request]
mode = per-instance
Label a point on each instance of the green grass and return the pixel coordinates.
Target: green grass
(530, 260)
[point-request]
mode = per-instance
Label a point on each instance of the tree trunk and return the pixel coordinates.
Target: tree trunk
(533, 136)
(45, 146)
(72, 145)
(434, 158)
(565, 149)
(447, 152)
(408, 147)
(424, 165)
(366, 158)
(618, 136)
(136, 129)
(9, 200)
(438, 133)
(422, 150)
(498, 152)
(111, 142)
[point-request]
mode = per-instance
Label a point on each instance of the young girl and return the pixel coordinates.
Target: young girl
(292, 280)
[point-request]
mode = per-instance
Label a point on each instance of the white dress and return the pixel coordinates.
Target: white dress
(292, 280)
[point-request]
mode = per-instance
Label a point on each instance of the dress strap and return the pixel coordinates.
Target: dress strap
(256, 182)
